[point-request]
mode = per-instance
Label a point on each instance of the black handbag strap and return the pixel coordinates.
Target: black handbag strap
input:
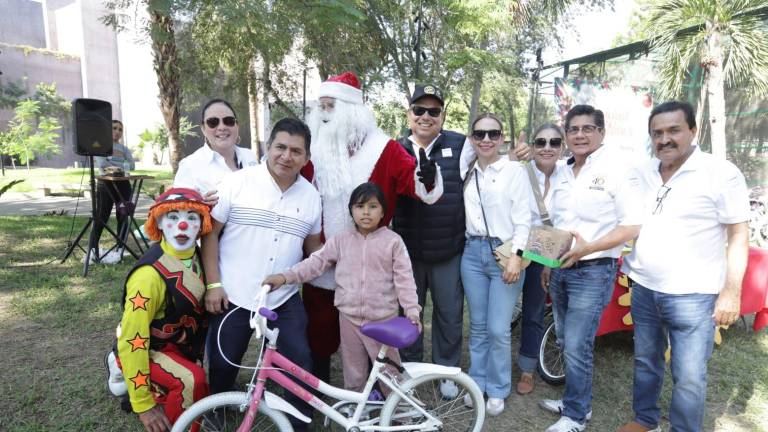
(482, 210)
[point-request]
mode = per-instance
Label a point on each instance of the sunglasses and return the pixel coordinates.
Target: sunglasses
(554, 143)
(479, 135)
(419, 111)
(213, 122)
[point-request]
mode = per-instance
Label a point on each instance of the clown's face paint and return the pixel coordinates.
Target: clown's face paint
(180, 228)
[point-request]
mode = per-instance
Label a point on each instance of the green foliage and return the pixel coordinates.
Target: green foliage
(157, 138)
(391, 118)
(31, 134)
(11, 94)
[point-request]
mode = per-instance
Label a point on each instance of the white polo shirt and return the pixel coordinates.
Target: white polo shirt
(605, 194)
(204, 169)
(681, 247)
(506, 194)
(264, 231)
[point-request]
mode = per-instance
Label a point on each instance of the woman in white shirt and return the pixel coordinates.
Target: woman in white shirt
(548, 143)
(204, 169)
(498, 209)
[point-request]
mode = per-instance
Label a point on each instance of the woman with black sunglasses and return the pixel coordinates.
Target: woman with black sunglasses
(219, 156)
(498, 210)
(547, 145)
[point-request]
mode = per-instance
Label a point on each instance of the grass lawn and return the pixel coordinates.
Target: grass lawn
(37, 177)
(57, 325)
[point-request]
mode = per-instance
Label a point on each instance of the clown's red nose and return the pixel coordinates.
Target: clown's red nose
(183, 225)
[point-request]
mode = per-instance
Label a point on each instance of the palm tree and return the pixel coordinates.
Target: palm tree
(159, 26)
(728, 39)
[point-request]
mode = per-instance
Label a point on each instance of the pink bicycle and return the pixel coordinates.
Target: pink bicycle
(415, 402)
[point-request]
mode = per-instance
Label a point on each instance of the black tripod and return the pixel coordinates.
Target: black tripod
(91, 220)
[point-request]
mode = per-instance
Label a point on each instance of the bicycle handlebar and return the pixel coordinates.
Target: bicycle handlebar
(269, 314)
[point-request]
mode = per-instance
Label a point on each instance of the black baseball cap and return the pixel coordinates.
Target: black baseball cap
(423, 90)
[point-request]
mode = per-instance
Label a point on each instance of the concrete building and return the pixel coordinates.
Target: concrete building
(65, 42)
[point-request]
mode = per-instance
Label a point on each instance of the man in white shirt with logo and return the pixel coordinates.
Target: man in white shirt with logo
(686, 267)
(597, 199)
(267, 216)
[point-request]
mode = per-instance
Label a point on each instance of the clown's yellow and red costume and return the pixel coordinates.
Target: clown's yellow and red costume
(161, 338)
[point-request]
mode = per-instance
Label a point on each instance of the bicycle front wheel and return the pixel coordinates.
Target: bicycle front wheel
(221, 413)
(551, 360)
(449, 408)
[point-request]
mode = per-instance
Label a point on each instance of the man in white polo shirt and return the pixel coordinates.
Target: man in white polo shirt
(597, 199)
(266, 218)
(686, 267)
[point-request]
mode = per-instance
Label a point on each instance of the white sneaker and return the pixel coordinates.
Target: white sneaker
(566, 424)
(556, 406)
(448, 389)
(494, 406)
(115, 380)
(468, 401)
(113, 257)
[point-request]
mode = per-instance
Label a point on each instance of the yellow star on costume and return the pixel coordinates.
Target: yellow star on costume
(139, 301)
(138, 343)
(140, 380)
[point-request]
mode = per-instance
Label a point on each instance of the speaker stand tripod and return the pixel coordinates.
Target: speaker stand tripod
(91, 221)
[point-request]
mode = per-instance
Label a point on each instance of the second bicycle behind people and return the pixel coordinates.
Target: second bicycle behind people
(373, 275)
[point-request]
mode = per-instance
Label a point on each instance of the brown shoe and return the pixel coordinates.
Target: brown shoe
(636, 427)
(525, 385)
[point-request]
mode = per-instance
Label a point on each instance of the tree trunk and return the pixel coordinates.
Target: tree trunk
(700, 109)
(26, 152)
(167, 70)
(265, 96)
(716, 95)
(477, 88)
(253, 109)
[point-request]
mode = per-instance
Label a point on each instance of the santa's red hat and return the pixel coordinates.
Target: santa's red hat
(345, 87)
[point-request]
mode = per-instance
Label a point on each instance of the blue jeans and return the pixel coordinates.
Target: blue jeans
(578, 299)
(534, 302)
(687, 320)
(491, 303)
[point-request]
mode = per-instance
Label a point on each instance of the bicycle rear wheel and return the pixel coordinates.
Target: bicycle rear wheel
(221, 413)
(551, 360)
(452, 412)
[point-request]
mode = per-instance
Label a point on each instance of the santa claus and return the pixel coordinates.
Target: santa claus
(349, 149)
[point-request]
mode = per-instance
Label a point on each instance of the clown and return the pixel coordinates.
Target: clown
(349, 149)
(161, 336)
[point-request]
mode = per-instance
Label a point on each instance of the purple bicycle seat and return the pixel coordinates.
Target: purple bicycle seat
(397, 332)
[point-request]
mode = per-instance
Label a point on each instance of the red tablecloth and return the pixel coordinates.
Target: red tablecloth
(754, 289)
(754, 296)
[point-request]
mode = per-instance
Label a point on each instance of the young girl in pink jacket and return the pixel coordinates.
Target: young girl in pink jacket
(373, 276)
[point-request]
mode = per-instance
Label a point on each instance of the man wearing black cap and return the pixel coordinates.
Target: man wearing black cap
(434, 234)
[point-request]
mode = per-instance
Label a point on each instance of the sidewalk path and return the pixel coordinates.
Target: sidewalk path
(21, 204)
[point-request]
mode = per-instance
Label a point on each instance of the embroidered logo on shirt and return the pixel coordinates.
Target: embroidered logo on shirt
(598, 183)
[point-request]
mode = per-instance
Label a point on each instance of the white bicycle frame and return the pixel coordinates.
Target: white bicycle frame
(263, 371)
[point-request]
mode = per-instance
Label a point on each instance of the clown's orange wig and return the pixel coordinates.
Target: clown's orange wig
(177, 199)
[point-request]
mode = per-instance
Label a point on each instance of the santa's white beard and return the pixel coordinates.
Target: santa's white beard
(349, 130)
(335, 136)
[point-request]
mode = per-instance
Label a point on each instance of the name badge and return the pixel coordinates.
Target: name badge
(447, 152)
